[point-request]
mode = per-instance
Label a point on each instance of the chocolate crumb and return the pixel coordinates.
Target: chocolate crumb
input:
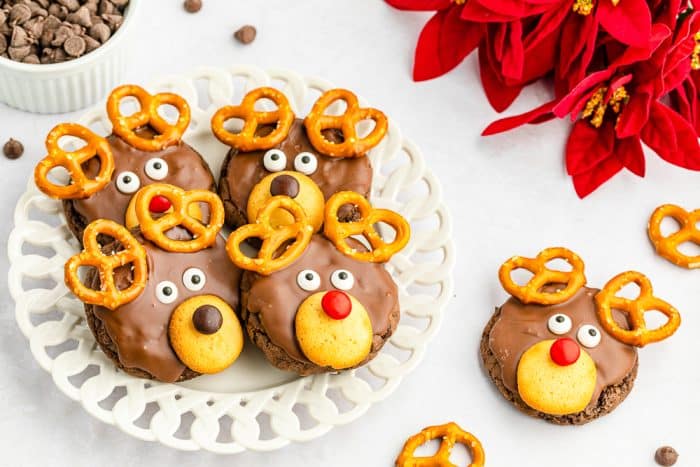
(13, 149)
(246, 34)
(192, 6)
(666, 456)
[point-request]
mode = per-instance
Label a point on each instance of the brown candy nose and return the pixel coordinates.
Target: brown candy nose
(207, 319)
(284, 185)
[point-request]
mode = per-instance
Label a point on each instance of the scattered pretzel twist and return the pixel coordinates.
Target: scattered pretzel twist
(109, 295)
(338, 231)
(532, 291)
(156, 229)
(247, 140)
(607, 301)
(667, 247)
(449, 434)
(274, 238)
(80, 185)
(125, 126)
(352, 146)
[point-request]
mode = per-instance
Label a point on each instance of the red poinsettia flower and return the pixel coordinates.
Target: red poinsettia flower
(445, 40)
(619, 107)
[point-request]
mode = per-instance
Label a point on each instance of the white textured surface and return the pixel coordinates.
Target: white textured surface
(249, 394)
(507, 194)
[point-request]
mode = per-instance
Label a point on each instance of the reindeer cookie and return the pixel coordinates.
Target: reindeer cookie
(564, 352)
(106, 173)
(161, 306)
(308, 160)
(319, 302)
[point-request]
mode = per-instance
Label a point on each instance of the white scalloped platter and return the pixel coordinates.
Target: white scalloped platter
(250, 405)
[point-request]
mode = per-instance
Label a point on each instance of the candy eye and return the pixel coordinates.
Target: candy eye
(306, 163)
(166, 292)
(342, 279)
(194, 279)
(309, 280)
(128, 182)
(157, 168)
(588, 336)
(559, 324)
(275, 160)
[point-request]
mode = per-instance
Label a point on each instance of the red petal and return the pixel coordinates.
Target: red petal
(443, 44)
(587, 182)
(635, 114)
(629, 151)
(629, 22)
(588, 146)
(419, 5)
(514, 56)
(473, 11)
(687, 152)
(499, 94)
(538, 115)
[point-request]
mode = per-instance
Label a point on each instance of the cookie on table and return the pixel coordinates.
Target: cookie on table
(278, 154)
(142, 149)
(564, 352)
(161, 303)
(317, 302)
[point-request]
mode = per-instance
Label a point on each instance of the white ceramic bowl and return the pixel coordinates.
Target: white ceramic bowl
(72, 85)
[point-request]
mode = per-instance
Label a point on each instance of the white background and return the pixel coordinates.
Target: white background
(508, 195)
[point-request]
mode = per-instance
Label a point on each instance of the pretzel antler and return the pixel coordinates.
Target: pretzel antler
(109, 295)
(352, 146)
(247, 140)
(80, 185)
(274, 238)
(125, 126)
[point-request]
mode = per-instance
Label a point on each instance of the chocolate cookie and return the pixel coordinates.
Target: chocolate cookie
(179, 165)
(311, 317)
(187, 305)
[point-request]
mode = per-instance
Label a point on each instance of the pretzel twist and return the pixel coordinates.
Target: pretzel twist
(125, 126)
(449, 435)
(667, 247)
(109, 295)
(80, 185)
(532, 291)
(338, 231)
(156, 229)
(352, 146)
(247, 140)
(607, 301)
(274, 238)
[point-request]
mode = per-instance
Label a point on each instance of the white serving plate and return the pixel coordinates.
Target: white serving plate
(251, 405)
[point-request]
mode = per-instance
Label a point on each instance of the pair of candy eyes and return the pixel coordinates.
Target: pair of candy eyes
(588, 335)
(310, 280)
(193, 279)
(275, 160)
(128, 182)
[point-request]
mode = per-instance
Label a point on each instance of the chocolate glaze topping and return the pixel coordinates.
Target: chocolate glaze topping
(277, 296)
(521, 326)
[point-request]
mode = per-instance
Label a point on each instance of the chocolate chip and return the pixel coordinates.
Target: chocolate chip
(33, 59)
(106, 7)
(51, 23)
(81, 17)
(207, 319)
(74, 46)
(19, 14)
(61, 35)
(13, 149)
(192, 6)
(71, 5)
(59, 11)
(113, 21)
(100, 32)
(35, 27)
(19, 53)
(120, 3)
(90, 43)
(3, 44)
(666, 456)
(20, 37)
(246, 34)
(284, 185)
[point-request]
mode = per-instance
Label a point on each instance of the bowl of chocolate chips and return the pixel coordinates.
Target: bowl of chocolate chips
(62, 55)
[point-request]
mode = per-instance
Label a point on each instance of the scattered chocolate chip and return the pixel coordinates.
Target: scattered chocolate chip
(100, 32)
(666, 456)
(192, 6)
(13, 149)
(207, 319)
(74, 46)
(246, 34)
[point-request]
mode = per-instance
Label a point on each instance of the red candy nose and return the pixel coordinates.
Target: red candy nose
(565, 351)
(336, 304)
(159, 204)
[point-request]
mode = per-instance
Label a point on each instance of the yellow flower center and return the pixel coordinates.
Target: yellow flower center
(695, 59)
(596, 107)
(583, 7)
(460, 2)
